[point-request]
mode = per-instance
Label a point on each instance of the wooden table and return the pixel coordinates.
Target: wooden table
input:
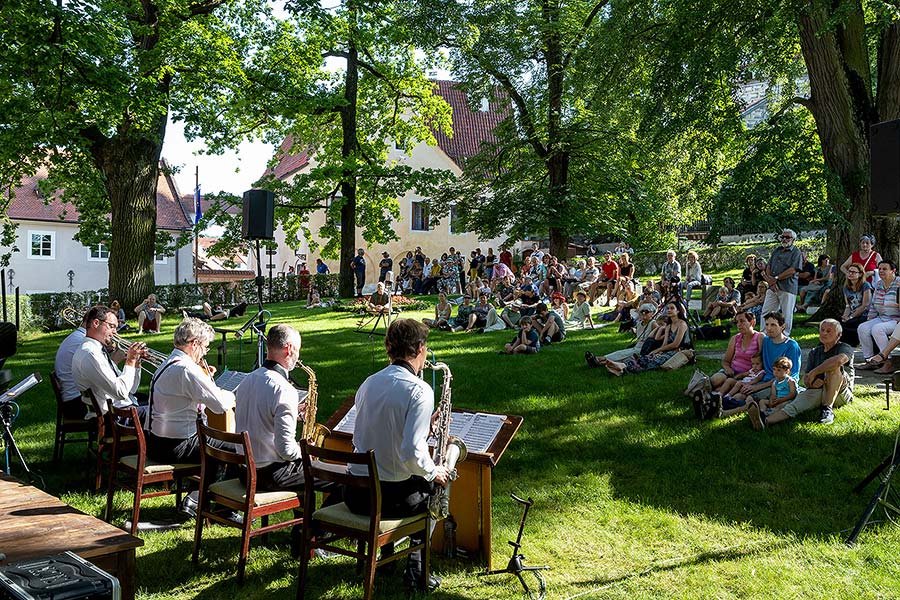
(34, 524)
(470, 495)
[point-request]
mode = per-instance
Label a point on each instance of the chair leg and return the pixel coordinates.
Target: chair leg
(57, 446)
(198, 528)
(369, 576)
(301, 575)
(110, 492)
(265, 523)
(245, 546)
(136, 511)
(360, 550)
(99, 476)
(426, 555)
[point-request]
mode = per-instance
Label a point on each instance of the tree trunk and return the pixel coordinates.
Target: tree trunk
(130, 169)
(348, 150)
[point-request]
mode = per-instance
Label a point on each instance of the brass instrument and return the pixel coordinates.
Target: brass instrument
(449, 450)
(151, 356)
(314, 433)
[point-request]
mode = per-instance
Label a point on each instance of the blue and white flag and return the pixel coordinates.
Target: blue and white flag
(198, 214)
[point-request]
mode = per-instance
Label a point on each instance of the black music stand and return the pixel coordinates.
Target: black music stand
(886, 495)
(375, 319)
(516, 565)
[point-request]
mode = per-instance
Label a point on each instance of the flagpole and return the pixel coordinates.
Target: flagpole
(196, 232)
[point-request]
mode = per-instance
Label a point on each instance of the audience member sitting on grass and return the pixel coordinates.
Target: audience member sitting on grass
(887, 367)
(120, 315)
(782, 389)
(644, 329)
(527, 340)
(759, 273)
(857, 296)
(501, 271)
(219, 313)
(734, 401)
(815, 291)
(572, 280)
(559, 306)
(742, 347)
(379, 302)
(693, 276)
(482, 316)
(807, 272)
(753, 303)
(747, 284)
(609, 276)
(505, 291)
(882, 317)
(589, 276)
(828, 381)
(149, 314)
(624, 290)
(726, 302)
(677, 336)
(556, 272)
(431, 278)
(442, 311)
(670, 273)
(461, 320)
(775, 345)
(580, 314)
(550, 326)
(527, 295)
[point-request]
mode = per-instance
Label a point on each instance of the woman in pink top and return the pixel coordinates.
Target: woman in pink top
(866, 256)
(742, 346)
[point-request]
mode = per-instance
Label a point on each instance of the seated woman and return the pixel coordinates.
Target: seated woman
(643, 330)
(624, 288)
(556, 272)
(693, 275)
(857, 296)
(442, 312)
(120, 315)
(736, 362)
(581, 312)
(726, 302)
(149, 314)
(559, 306)
(483, 315)
(677, 337)
(818, 287)
(753, 303)
(882, 317)
(461, 320)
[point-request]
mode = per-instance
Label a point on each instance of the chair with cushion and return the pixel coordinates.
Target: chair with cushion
(236, 496)
(101, 424)
(370, 532)
(66, 427)
(130, 469)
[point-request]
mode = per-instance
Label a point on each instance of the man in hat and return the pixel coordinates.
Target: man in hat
(386, 265)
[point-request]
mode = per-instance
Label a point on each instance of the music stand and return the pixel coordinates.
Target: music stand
(375, 318)
(886, 495)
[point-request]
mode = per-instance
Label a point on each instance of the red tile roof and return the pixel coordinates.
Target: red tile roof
(27, 205)
(289, 162)
(471, 128)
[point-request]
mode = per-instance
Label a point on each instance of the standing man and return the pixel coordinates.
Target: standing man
(178, 386)
(505, 257)
(782, 277)
(93, 369)
(73, 407)
(393, 417)
(358, 264)
(268, 406)
(828, 379)
(385, 266)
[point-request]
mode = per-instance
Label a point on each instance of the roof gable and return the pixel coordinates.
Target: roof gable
(471, 129)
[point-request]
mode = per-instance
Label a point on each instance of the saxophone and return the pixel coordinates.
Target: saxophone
(312, 432)
(449, 449)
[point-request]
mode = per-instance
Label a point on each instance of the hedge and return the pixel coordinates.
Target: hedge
(722, 258)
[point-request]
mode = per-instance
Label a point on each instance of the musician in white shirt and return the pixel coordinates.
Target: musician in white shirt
(93, 369)
(179, 386)
(393, 417)
(73, 407)
(268, 406)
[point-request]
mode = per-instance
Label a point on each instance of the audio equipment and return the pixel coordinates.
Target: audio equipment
(884, 170)
(259, 215)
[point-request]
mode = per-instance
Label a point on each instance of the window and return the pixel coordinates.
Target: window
(454, 216)
(161, 260)
(485, 105)
(419, 217)
(99, 252)
(42, 245)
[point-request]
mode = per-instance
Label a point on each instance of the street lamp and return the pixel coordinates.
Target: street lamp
(71, 276)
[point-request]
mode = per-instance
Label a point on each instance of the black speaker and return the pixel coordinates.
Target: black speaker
(884, 144)
(259, 215)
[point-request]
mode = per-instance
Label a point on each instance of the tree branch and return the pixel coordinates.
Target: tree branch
(579, 37)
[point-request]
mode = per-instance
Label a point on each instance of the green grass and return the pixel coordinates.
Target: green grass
(633, 498)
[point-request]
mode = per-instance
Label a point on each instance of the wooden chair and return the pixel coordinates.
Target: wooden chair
(66, 427)
(130, 469)
(103, 428)
(370, 532)
(234, 495)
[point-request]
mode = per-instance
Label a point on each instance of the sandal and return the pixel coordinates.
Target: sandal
(872, 363)
(591, 360)
(886, 368)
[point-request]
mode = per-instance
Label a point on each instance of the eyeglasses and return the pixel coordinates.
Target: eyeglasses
(644, 312)
(113, 324)
(787, 237)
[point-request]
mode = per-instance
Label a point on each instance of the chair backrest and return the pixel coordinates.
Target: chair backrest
(241, 455)
(102, 418)
(126, 423)
(326, 464)
(57, 389)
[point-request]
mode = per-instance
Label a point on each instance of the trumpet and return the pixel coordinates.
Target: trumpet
(150, 356)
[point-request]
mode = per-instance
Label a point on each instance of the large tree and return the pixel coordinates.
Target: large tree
(86, 89)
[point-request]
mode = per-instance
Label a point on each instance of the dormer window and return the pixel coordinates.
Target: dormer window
(485, 105)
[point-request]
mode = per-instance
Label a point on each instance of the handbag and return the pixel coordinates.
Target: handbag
(678, 360)
(699, 380)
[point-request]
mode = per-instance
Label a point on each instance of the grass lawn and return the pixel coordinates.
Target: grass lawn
(633, 498)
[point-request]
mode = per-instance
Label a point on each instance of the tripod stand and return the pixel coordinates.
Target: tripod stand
(516, 564)
(886, 495)
(9, 410)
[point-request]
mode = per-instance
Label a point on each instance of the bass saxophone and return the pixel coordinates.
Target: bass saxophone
(314, 433)
(449, 450)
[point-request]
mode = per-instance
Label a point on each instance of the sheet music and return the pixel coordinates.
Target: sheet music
(476, 430)
(229, 380)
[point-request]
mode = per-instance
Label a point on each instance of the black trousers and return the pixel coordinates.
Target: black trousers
(173, 450)
(74, 409)
(398, 499)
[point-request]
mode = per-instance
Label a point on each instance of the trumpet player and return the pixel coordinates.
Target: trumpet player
(394, 412)
(179, 385)
(93, 369)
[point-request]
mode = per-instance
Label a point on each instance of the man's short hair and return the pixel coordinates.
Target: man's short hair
(774, 315)
(834, 323)
(98, 312)
(280, 336)
(541, 308)
(193, 329)
(404, 338)
(790, 231)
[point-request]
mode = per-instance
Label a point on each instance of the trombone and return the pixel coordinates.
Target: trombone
(151, 356)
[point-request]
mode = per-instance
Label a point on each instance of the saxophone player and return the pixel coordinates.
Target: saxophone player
(394, 412)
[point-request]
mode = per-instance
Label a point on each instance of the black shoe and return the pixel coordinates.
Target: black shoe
(189, 505)
(413, 582)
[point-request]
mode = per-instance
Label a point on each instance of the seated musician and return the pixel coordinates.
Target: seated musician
(73, 407)
(93, 369)
(268, 407)
(178, 386)
(380, 301)
(393, 417)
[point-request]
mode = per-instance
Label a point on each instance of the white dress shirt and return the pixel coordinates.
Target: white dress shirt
(267, 408)
(94, 370)
(393, 418)
(63, 364)
(176, 392)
